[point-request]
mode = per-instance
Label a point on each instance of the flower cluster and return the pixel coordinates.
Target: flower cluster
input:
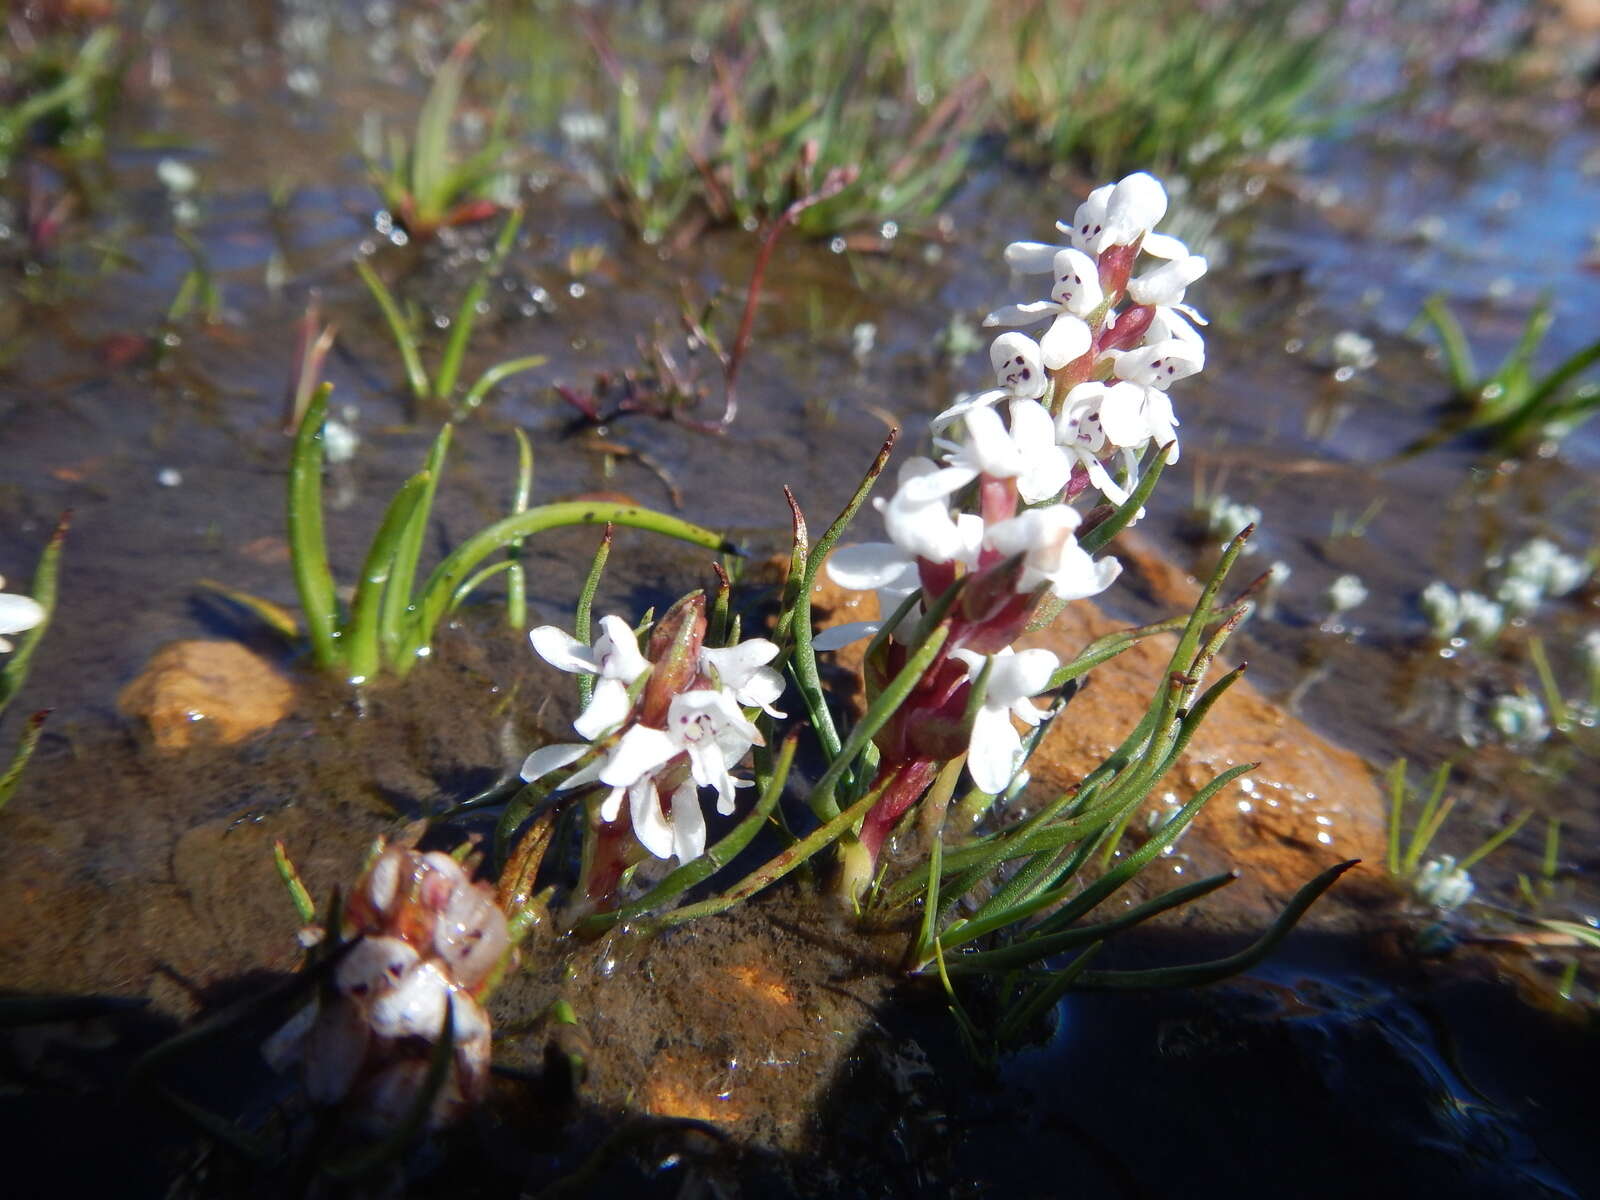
(1083, 405)
(662, 722)
(425, 941)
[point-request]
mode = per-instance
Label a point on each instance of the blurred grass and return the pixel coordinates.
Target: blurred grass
(726, 113)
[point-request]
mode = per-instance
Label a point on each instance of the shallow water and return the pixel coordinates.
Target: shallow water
(154, 869)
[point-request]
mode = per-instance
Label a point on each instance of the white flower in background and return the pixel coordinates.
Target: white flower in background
(1051, 554)
(1352, 352)
(1019, 371)
(18, 614)
(1481, 618)
(994, 754)
(1442, 607)
(1027, 452)
(1543, 564)
(614, 657)
(1118, 214)
(1520, 596)
(1345, 593)
(1520, 719)
(1442, 884)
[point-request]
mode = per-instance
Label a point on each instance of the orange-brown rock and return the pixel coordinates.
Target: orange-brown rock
(1310, 805)
(197, 691)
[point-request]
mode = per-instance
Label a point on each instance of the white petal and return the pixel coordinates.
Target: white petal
(611, 806)
(414, 1009)
(608, 708)
(1021, 675)
(1030, 313)
(688, 822)
(1122, 415)
(563, 651)
(1067, 338)
(966, 404)
(734, 665)
(617, 650)
(838, 636)
(641, 750)
(549, 758)
(994, 751)
(870, 565)
(650, 824)
(1163, 245)
(1167, 283)
(1030, 258)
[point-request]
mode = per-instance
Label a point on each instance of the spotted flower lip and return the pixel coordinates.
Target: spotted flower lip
(1019, 372)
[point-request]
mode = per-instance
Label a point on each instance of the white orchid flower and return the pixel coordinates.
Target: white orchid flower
(1051, 554)
(1027, 452)
(995, 752)
(1074, 295)
(614, 657)
(1165, 285)
(1118, 214)
(918, 518)
(1082, 432)
(1159, 364)
(1019, 373)
(743, 670)
(18, 614)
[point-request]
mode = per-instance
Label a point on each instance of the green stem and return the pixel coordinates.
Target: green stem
(308, 548)
(441, 585)
(416, 375)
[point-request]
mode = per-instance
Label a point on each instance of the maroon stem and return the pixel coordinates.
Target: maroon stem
(909, 782)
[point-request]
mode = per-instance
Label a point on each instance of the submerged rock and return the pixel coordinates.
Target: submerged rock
(206, 691)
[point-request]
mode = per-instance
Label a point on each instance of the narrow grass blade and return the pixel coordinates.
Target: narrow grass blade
(697, 870)
(1158, 841)
(1201, 974)
(398, 599)
(1030, 950)
(254, 1150)
(1495, 842)
(441, 585)
(583, 629)
(775, 869)
(496, 375)
(430, 158)
(1045, 998)
(304, 906)
(878, 714)
(449, 370)
(46, 588)
(308, 547)
(1397, 808)
(517, 580)
(404, 339)
(380, 577)
(1457, 350)
(26, 745)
